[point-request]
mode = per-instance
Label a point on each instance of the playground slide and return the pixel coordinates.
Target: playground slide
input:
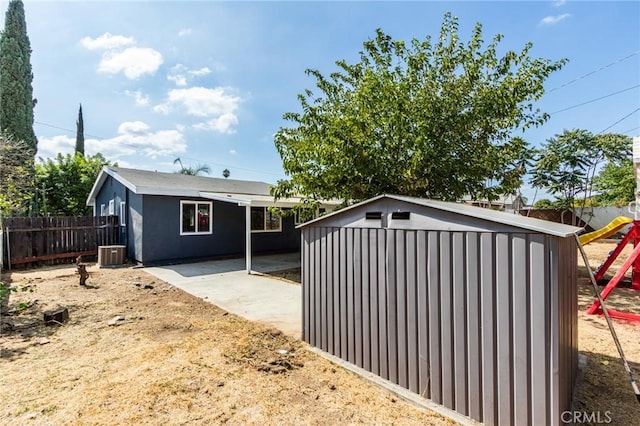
(614, 226)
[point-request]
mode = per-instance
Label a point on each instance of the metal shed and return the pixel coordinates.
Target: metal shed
(471, 308)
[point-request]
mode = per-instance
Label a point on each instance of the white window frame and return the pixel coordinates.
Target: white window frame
(196, 203)
(112, 207)
(123, 213)
(103, 209)
(264, 224)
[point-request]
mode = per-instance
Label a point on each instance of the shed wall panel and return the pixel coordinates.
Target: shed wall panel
(433, 262)
(412, 321)
(423, 314)
(446, 313)
(539, 329)
(357, 295)
(329, 283)
(474, 326)
(343, 295)
(489, 353)
(469, 320)
(459, 323)
(401, 306)
(351, 341)
(335, 260)
(323, 290)
(392, 314)
(521, 337)
(383, 336)
(365, 300)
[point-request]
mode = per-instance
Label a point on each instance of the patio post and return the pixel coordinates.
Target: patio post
(248, 237)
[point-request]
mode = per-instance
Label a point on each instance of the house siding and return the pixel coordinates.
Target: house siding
(479, 319)
(114, 190)
(163, 242)
(135, 227)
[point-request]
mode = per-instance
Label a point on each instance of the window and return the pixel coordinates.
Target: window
(112, 207)
(103, 209)
(123, 213)
(262, 220)
(195, 217)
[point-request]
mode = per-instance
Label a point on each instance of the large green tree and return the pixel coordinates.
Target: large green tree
(64, 183)
(616, 183)
(80, 133)
(431, 118)
(567, 164)
(16, 177)
(16, 91)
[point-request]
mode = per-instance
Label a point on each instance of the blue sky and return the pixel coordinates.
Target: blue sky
(209, 81)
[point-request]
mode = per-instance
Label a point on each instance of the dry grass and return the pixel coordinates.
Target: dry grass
(177, 359)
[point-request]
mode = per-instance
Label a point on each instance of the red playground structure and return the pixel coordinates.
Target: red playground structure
(633, 261)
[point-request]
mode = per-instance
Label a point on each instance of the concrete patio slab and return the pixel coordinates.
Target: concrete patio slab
(255, 297)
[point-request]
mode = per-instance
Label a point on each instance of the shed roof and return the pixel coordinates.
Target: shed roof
(173, 184)
(518, 221)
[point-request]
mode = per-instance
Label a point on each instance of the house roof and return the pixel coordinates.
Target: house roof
(146, 182)
(518, 221)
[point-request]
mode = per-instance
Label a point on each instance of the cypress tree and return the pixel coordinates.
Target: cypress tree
(16, 91)
(80, 133)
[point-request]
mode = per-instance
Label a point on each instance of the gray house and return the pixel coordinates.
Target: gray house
(168, 217)
(471, 308)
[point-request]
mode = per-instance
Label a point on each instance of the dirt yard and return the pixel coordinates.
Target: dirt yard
(171, 358)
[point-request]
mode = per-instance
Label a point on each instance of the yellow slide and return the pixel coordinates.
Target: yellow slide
(616, 224)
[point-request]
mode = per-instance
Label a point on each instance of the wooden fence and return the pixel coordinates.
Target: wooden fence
(55, 239)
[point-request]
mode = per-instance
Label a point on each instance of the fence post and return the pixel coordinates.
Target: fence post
(8, 249)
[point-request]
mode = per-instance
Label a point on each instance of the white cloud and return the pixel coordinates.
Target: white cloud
(202, 71)
(133, 62)
(179, 74)
(184, 32)
(559, 3)
(141, 98)
(233, 152)
(133, 127)
(134, 138)
(217, 105)
(50, 147)
(179, 80)
(552, 20)
(164, 108)
(106, 41)
(121, 55)
(222, 124)
(204, 102)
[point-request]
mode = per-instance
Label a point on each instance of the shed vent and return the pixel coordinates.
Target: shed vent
(400, 215)
(373, 215)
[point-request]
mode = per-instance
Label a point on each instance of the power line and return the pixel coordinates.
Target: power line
(595, 71)
(65, 129)
(597, 99)
(165, 155)
(630, 130)
(622, 119)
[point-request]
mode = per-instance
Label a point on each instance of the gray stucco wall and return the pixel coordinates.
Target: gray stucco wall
(484, 323)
